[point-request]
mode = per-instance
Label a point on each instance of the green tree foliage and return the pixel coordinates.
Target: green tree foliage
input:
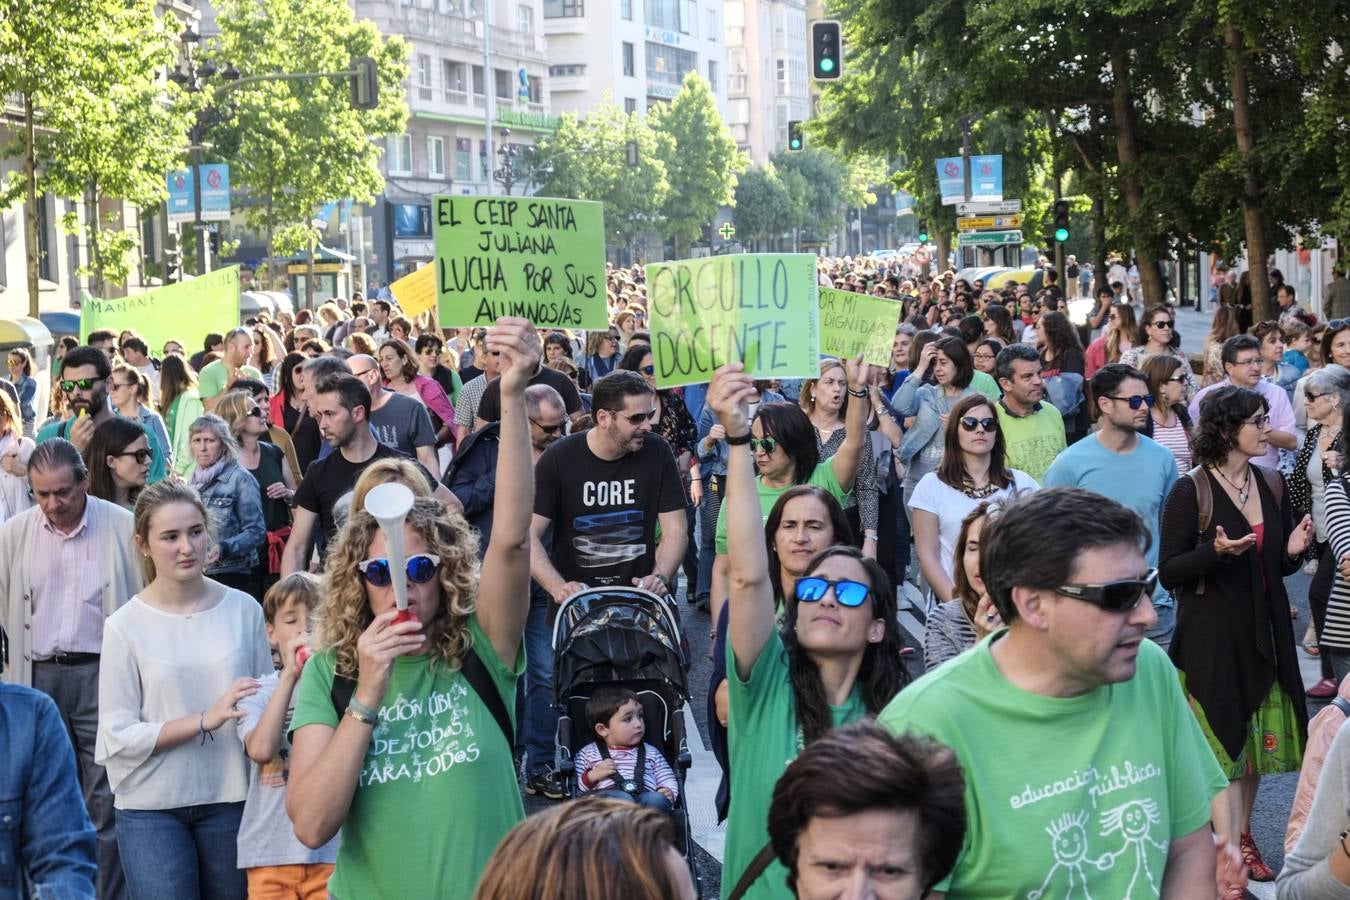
(106, 127)
(701, 160)
(295, 145)
(763, 206)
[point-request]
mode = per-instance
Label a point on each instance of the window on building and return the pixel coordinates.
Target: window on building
(536, 89)
(712, 25)
(567, 70)
(626, 10)
(525, 19)
(663, 14)
(455, 76)
(629, 63)
(629, 105)
(399, 158)
(478, 90)
(435, 157)
(689, 18)
(424, 76)
(504, 82)
(482, 161)
(463, 159)
(668, 64)
(564, 9)
(712, 74)
(780, 76)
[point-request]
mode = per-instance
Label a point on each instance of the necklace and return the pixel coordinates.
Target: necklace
(1244, 491)
(978, 493)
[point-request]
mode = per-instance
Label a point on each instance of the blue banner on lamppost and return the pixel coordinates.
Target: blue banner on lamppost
(951, 175)
(215, 192)
(180, 196)
(986, 178)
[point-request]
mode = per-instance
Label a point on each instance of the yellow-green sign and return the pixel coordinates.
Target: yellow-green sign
(761, 309)
(535, 257)
(186, 312)
(857, 323)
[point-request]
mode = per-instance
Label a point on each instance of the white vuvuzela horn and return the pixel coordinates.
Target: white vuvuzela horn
(389, 504)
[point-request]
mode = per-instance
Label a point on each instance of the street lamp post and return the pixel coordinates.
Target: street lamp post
(505, 173)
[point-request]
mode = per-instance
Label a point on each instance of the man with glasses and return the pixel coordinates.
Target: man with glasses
(489, 408)
(69, 564)
(1241, 358)
(1100, 781)
(466, 405)
(1119, 462)
(104, 341)
(398, 421)
(85, 375)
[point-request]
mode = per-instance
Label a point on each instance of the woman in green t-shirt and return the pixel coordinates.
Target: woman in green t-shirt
(835, 659)
(417, 772)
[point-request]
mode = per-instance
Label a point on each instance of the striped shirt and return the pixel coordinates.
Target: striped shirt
(947, 634)
(1336, 630)
(1174, 438)
(658, 775)
(67, 586)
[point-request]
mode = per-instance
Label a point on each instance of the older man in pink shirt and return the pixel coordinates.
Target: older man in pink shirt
(1241, 357)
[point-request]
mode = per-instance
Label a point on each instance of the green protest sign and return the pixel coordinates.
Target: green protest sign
(761, 309)
(535, 257)
(857, 323)
(186, 312)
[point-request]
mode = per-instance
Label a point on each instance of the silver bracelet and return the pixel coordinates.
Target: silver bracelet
(364, 710)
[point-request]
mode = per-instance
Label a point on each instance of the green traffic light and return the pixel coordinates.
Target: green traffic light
(923, 237)
(827, 65)
(1061, 234)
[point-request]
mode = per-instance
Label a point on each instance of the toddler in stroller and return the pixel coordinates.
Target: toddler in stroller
(620, 764)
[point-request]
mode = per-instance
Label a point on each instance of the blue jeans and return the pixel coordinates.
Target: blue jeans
(1161, 634)
(539, 717)
(182, 854)
(649, 799)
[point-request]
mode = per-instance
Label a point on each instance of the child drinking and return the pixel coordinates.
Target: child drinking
(610, 765)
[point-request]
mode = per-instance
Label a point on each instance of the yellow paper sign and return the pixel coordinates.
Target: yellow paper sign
(416, 293)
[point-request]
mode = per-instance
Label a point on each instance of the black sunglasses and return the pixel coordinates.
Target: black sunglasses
(846, 593)
(1113, 596)
(1164, 323)
(639, 418)
(140, 455)
(548, 429)
(970, 423)
(1136, 401)
(768, 444)
(256, 412)
(83, 384)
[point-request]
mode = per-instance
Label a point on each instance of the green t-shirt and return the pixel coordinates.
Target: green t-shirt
(985, 384)
(1065, 797)
(763, 738)
(1032, 441)
(437, 790)
(821, 476)
(211, 379)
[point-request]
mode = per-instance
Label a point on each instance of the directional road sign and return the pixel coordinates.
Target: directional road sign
(991, 237)
(988, 208)
(980, 223)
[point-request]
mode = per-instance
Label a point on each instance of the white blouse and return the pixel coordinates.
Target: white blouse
(158, 666)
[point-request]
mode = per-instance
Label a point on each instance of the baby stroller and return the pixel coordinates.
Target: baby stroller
(630, 638)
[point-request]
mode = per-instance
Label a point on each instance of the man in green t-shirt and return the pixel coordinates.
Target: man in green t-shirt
(1087, 775)
(216, 377)
(1033, 432)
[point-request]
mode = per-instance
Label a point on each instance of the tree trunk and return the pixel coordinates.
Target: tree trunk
(944, 250)
(30, 223)
(95, 256)
(309, 276)
(1127, 151)
(1253, 221)
(1099, 234)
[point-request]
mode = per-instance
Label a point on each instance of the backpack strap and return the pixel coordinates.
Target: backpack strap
(474, 672)
(1204, 510)
(634, 786)
(762, 860)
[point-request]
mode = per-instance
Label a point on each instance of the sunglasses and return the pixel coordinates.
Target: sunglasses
(420, 568)
(256, 412)
(141, 455)
(846, 593)
(1136, 401)
(647, 370)
(123, 384)
(1310, 396)
(1178, 379)
(548, 429)
(83, 384)
(1113, 596)
(768, 444)
(1163, 324)
(970, 423)
(639, 418)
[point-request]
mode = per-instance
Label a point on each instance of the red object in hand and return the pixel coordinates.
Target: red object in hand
(302, 655)
(405, 615)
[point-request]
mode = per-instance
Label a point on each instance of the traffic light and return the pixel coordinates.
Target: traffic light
(173, 259)
(923, 232)
(827, 50)
(365, 83)
(795, 139)
(1061, 220)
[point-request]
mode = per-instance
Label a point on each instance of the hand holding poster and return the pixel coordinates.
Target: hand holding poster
(761, 309)
(185, 312)
(853, 323)
(536, 257)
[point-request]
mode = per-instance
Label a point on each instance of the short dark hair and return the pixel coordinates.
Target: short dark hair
(971, 328)
(211, 340)
(384, 305)
(789, 425)
(428, 340)
(1235, 345)
(99, 335)
(611, 392)
(87, 356)
(632, 357)
(321, 367)
(353, 391)
(57, 453)
(862, 767)
(1036, 539)
(605, 702)
(136, 344)
(954, 348)
(252, 385)
(1222, 412)
(1107, 380)
(358, 308)
(1003, 363)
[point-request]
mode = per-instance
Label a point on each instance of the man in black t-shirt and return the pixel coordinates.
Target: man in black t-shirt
(341, 406)
(604, 492)
(490, 407)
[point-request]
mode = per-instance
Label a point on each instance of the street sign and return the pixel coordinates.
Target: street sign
(991, 237)
(979, 223)
(988, 208)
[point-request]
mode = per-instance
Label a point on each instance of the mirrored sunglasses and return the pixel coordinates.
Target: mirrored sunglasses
(421, 568)
(846, 593)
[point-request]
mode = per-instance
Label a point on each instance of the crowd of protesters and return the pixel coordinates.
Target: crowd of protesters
(211, 693)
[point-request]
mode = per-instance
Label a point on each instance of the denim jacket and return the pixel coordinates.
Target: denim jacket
(914, 398)
(47, 843)
(234, 502)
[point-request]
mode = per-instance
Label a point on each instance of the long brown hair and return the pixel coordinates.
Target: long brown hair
(962, 589)
(175, 378)
(952, 470)
(1128, 327)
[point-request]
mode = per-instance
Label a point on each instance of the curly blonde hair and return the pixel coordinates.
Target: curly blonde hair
(346, 613)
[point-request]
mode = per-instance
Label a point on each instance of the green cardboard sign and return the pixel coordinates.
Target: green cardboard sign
(536, 257)
(761, 309)
(857, 323)
(186, 312)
